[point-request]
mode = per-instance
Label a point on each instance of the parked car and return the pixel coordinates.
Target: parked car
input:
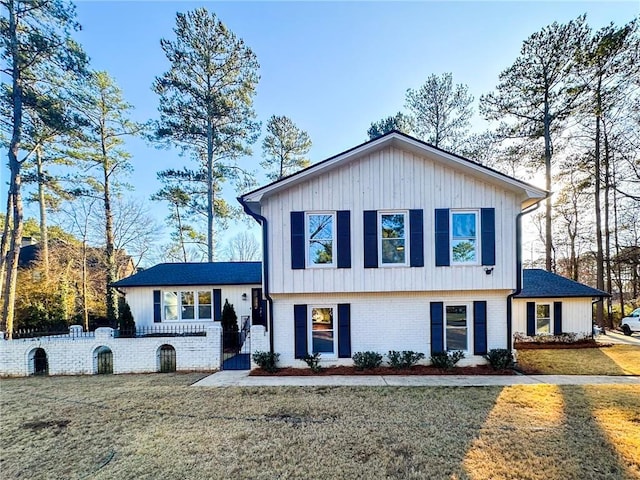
(631, 323)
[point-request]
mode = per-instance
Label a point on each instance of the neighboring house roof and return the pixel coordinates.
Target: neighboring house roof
(398, 139)
(183, 274)
(27, 255)
(538, 283)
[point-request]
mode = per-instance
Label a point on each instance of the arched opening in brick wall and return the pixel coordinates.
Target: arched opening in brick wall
(102, 360)
(38, 362)
(166, 359)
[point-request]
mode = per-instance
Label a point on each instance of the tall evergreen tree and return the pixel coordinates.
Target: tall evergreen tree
(206, 100)
(36, 38)
(285, 148)
(100, 147)
(537, 94)
(401, 122)
(441, 111)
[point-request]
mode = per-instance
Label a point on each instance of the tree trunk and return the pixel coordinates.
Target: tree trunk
(181, 234)
(44, 236)
(85, 307)
(547, 172)
(112, 300)
(616, 240)
(607, 231)
(210, 191)
(4, 246)
(598, 213)
(16, 181)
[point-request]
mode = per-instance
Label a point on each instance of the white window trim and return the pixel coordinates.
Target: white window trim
(551, 319)
(333, 355)
(478, 260)
(469, 324)
(196, 306)
(334, 251)
(405, 213)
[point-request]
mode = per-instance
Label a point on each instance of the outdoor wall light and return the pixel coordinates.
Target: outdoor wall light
(488, 270)
(244, 297)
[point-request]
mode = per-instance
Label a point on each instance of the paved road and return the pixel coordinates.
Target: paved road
(619, 338)
(241, 378)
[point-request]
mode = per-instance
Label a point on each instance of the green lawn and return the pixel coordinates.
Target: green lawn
(157, 426)
(614, 360)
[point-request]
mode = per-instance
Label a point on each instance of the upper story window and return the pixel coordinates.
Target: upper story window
(187, 305)
(320, 239)
(393, 238)
(464, 237)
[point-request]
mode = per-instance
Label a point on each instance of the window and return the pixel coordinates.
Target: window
(320, 239)
(193, 305)
(464, 238)
(170, 305)
(457, 327)
(543, 318)
(322, 331)
(393, 244)
(204, 305)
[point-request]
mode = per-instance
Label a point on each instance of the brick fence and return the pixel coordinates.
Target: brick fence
(78, 352)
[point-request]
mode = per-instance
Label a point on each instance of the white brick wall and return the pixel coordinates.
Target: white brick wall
(77, 355)
(389, 321)
(259, 341)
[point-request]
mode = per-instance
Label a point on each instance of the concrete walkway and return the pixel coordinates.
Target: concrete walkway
(242, 379)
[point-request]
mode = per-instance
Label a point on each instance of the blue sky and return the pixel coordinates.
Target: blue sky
(332, 67)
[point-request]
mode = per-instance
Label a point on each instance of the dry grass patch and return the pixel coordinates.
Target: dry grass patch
(614, 360)
(156, 426)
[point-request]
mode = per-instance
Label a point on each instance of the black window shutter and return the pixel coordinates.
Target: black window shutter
(300, 330)
(416, 245)
(442, 237)
(217, 304)
(344, 330)
(437, 327)
(479, 328)
(488, 235)
(297, 240)
(344, 238)
(531, 319)
(370, 220)
(557, 318)
(157, 307)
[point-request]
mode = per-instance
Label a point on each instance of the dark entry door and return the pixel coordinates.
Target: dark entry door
(257, 307)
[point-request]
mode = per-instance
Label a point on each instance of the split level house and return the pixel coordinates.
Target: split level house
(392, 245)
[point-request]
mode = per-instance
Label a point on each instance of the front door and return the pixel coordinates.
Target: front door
(257, 307)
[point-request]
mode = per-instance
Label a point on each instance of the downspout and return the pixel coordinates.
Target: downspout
(518, 273)
(265, 266)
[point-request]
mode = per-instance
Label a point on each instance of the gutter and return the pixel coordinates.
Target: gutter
(265, 266)
(518, 273)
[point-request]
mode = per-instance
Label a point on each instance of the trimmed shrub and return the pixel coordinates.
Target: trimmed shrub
(499, 358)
(446, 360)
(126, 324)
(404, 359)
(313, 362)
(266, 360)
(366, 360)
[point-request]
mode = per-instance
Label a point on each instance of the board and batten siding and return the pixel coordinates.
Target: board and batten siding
(577, 314)
(140, 300)
(390, 179)
(395, 321)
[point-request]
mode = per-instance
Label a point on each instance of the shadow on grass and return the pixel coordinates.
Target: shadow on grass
(587, 361)
(546, 431)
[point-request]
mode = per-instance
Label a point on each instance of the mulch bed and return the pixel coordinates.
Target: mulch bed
(415, 370)
(559, 346)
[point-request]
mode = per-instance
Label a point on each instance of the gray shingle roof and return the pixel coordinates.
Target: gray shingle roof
(537, 283)
(182, 274)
